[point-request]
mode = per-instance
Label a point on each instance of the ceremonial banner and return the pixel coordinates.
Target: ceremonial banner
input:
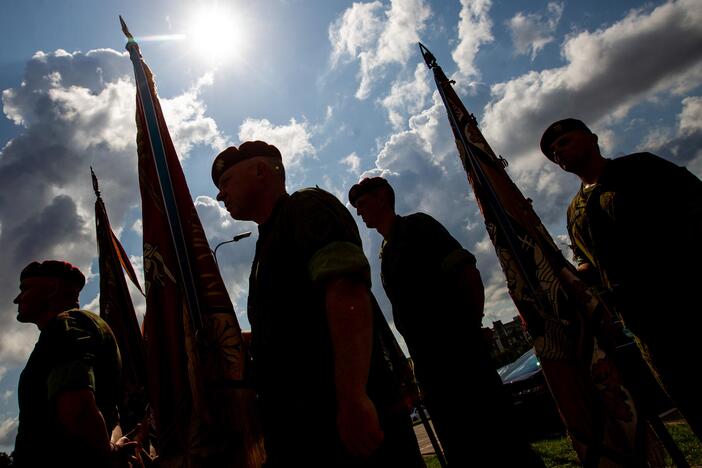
(562, 315)
(204, 414)
(117, 310)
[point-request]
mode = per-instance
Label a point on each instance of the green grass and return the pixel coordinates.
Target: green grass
(558, 452)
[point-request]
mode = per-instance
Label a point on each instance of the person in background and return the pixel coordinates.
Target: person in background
(437, 304)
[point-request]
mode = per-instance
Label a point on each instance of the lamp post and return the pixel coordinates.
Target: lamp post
(236, 238)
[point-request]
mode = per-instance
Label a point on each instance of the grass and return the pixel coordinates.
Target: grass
(558, 452)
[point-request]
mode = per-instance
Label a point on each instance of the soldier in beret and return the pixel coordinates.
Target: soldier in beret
(635, 227)
(325, 386)
(437, 303)
(69, 389)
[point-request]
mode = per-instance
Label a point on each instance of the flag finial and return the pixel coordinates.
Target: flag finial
(95, 182)
(125, 30)
(428, 56)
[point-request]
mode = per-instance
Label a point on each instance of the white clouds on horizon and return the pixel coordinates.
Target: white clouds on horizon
(531, 32)
(361, 33)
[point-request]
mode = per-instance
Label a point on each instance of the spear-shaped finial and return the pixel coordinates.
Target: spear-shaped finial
(125, 30)
(95, 182)
(428, 56)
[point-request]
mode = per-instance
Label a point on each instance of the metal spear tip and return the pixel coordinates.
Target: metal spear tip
(125, 30)
(428, 56)
(95, 182)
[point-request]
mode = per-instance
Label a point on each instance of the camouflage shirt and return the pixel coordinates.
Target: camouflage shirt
(640, 227)
(75, 350)
(309, 238)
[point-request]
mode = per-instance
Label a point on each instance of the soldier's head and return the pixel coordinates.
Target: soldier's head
(570, 144)
(374, 200)
(46, 289)
(250, 179)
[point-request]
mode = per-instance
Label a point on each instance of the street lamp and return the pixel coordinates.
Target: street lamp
(236, 238)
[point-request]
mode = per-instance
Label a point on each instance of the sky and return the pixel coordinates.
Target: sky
(341, 89)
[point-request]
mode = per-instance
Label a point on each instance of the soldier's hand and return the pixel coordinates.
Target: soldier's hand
(358, 425)
(125, 452)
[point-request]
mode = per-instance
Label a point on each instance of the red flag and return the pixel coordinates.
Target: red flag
(117, 310)
(596, 406)
(196, 358)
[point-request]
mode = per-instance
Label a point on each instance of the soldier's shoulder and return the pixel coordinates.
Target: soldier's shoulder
(642, 160)
(419, 219)
(312, 195)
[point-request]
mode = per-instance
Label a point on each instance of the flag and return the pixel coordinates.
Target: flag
(561, 313)
(117, 310)
(196, 359)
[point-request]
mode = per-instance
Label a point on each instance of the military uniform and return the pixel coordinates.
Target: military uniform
(76, 350)
(309, 238)
(640, 226)
(470, 409)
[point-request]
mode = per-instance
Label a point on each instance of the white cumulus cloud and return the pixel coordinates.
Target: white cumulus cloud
(293, 140)
(377, 40)
(531, 32)
(474, 30)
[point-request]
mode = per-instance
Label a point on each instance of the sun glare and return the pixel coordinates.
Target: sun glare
(216, 34)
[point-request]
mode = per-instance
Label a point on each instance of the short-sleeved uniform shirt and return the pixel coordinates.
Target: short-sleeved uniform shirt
(640, 227)
(309, 238)
(75, 350)
(417, 259)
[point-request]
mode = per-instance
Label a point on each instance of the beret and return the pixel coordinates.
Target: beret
(54, 269)
(556, 129)
(365, 186)
(234, 155)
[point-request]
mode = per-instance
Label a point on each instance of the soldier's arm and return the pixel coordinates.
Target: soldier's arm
(467, 279)
(349, 314)
(78, 415)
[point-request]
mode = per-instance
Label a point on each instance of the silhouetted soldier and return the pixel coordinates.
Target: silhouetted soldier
(326, 390)
(69, 389)
(437, 302)
(635, 227)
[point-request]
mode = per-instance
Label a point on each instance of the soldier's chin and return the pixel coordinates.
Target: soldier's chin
(22, 318)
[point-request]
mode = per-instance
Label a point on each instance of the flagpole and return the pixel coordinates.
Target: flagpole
(155, 140)
(505, 224)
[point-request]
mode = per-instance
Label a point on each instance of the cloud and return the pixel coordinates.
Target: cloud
(76, 110)
(356, 30)
(6, 395)
(407, 97)
(352, 161)
(8, 431)
(293, 140)
(3, 370)
(691, 116)
(187, 122)
(531, 32)
(234, 259)
(362, 34)
(474, 30)
(682, 145)
(608, 71)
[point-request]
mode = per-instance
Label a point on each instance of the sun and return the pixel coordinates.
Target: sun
(216, 34)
